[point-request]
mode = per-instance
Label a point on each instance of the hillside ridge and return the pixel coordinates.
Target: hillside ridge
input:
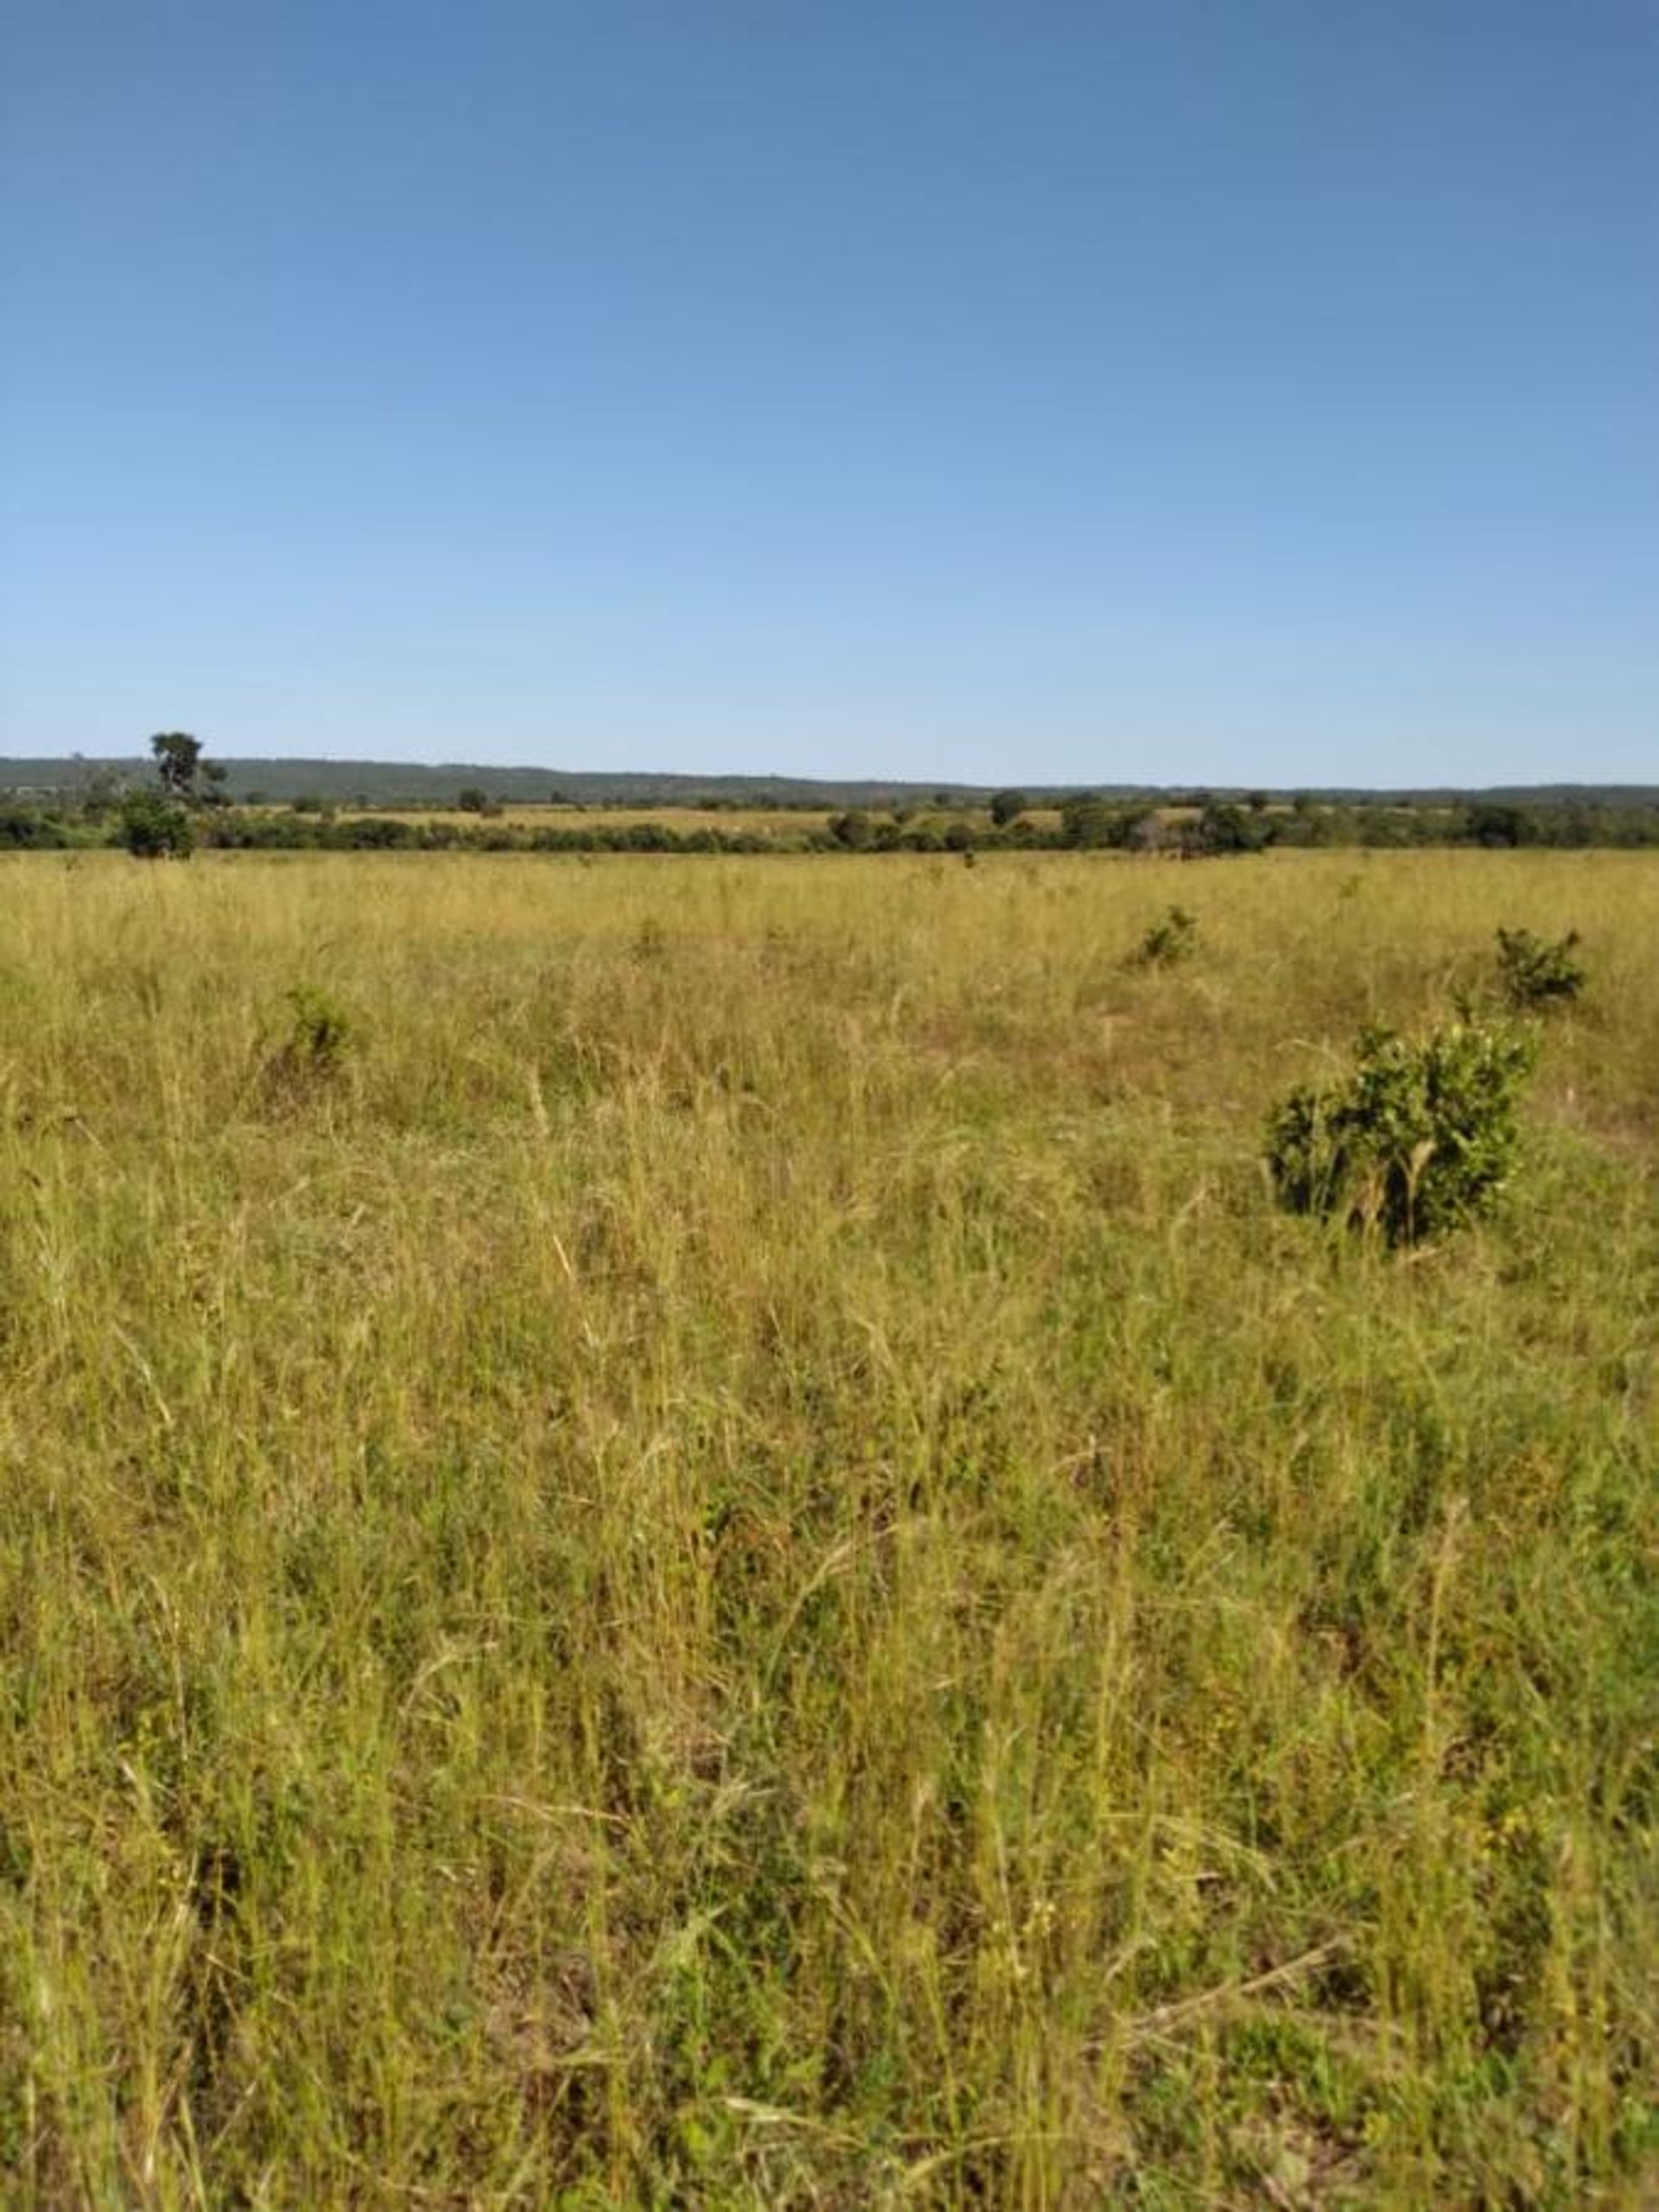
(387, 783)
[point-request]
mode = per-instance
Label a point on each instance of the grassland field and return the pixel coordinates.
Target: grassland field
(692, 1537)
(789, 825)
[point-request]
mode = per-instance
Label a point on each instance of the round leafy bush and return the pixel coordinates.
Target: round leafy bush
(154, 828)
(1418, 1138)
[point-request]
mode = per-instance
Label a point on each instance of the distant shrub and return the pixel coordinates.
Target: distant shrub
(1089, 823)
(24, 829)
(1172, 940)
(1495, 826)
(1536, 972)
(1419, 1139)
(1223, 828)
(376, 833)
(154, 828)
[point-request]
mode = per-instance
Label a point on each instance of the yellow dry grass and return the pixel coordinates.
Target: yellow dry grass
(723, 1555)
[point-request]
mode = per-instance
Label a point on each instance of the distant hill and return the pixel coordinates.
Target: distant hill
(381, 783)
(396, 783)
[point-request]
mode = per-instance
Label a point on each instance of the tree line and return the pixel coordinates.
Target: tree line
(186, 805)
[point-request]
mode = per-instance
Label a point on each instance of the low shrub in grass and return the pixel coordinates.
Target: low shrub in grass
(321, 1039)
(1418, 1139)
(1536, 972)
(321, 1034)
(1169, 941)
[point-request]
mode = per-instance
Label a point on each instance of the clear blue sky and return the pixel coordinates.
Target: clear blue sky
(1236, 393)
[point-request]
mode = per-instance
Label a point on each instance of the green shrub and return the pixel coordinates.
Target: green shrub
(322, 1037)
(24, 829)
(1420, 1138)
(1174, 938)
(323, 1032)
(154, 828)
(1533, 972)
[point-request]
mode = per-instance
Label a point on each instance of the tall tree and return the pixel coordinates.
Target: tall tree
(178, 762)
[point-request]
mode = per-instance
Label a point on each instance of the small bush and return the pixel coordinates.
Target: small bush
(1173, 939)
(323, 1032)
(1533, 972)
(650, 942)
(320, 1039)
(1419, 1139)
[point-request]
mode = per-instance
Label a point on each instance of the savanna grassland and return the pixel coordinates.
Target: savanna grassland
(691, 1537)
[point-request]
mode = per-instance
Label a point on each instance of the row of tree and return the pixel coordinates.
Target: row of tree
(187, 805)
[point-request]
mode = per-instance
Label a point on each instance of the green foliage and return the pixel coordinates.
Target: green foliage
(177, 756)
(153, 827)
(853, 828)
(1418, 1140)
(1088, 822)
(323, 1032)
(321, 1036)
(1493, 825)
(1170, 941)
(1006, 807)
(101, 793)
(1222, 827)
(185, 778)
(26, 828)
(1536, 972)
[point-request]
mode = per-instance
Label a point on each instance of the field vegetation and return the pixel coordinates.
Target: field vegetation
(688, 1533)
(789, 825)
(187, 799)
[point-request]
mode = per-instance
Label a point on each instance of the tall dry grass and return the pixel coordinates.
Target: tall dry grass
(729, 1558)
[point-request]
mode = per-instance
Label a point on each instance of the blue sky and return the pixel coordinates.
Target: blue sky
(1224, 392)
